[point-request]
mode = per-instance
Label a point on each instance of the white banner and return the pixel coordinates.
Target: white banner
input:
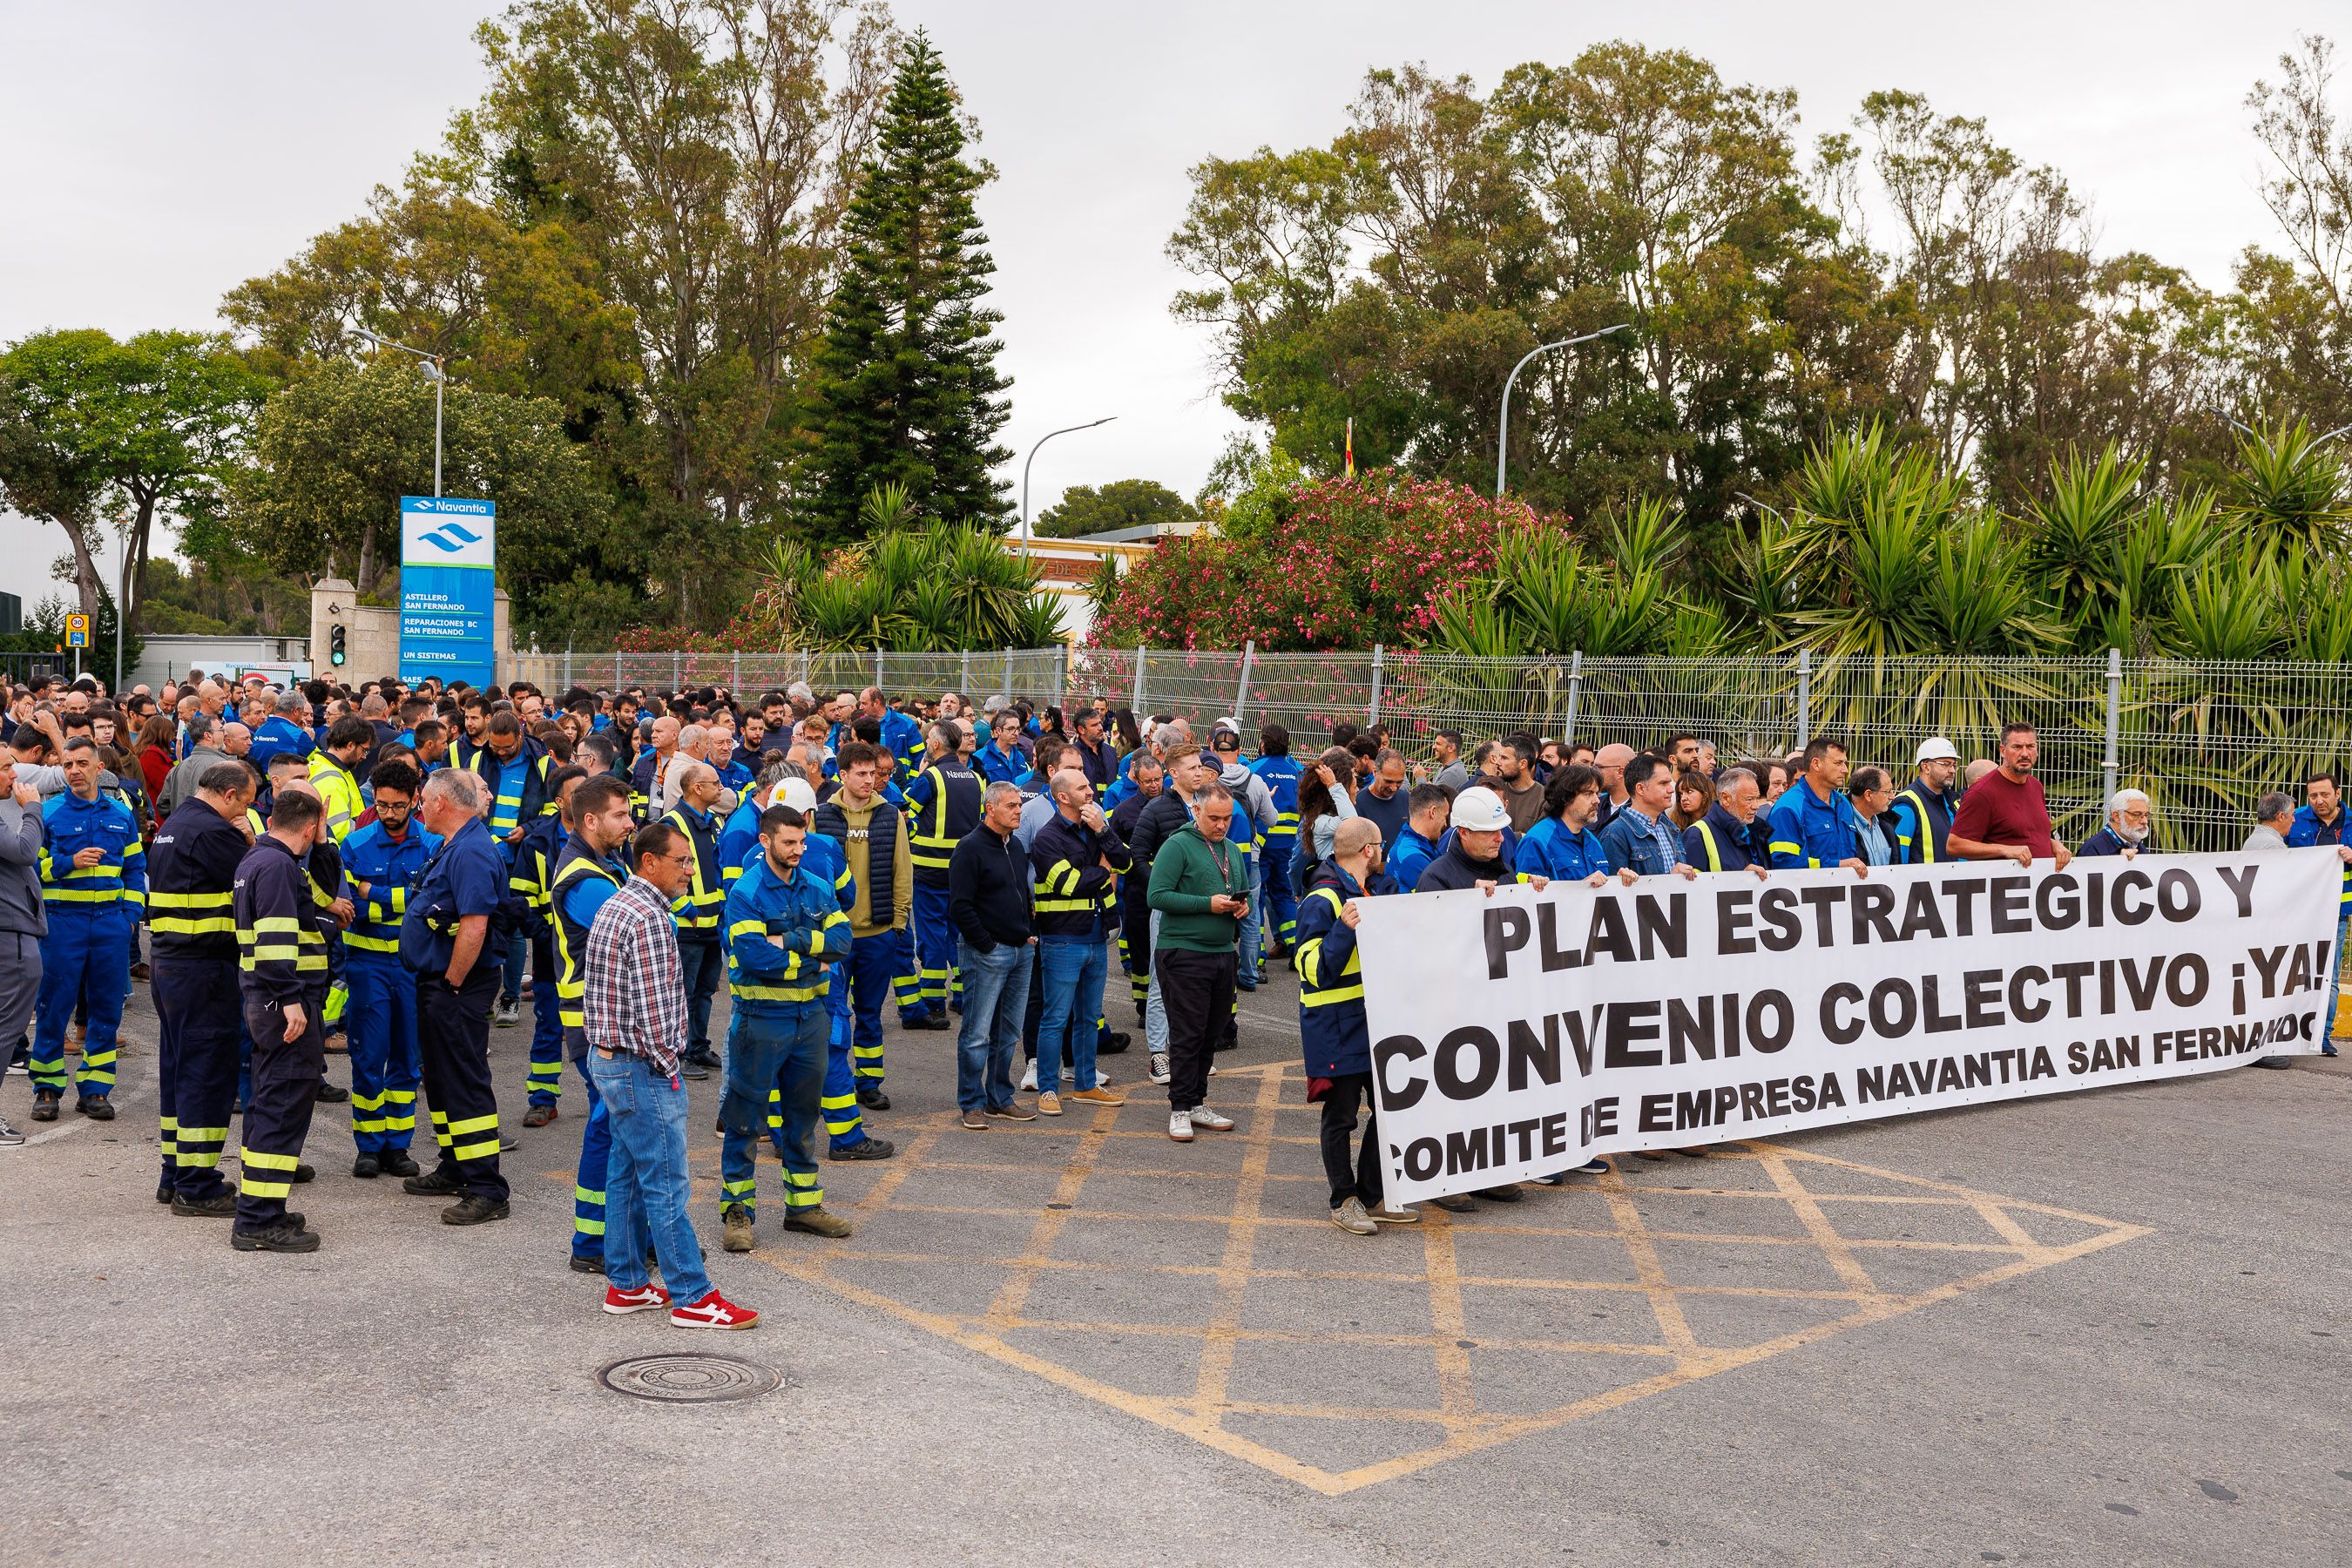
(1522, 1034)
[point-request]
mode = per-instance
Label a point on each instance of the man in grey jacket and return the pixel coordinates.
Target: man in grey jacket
(2273, 814)
(23, 924)
(205, 750)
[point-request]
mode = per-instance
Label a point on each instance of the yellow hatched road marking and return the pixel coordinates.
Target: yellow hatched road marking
(1256, 1202)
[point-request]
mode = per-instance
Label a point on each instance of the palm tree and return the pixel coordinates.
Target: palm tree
(911, 586)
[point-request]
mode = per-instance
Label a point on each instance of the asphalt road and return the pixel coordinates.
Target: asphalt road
(2109, 1328)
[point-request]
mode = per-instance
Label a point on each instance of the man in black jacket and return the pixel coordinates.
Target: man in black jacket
(283, 961)
(1134, 908)
(1475, 859)
(989, 899)
(191, 885)
(1075, 858)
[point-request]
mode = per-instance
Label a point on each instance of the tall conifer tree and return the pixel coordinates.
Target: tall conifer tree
(907, 389)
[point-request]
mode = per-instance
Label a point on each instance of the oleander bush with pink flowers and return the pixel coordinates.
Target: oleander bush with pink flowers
(1345, 563)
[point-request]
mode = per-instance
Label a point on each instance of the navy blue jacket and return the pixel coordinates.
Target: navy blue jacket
(1453, 870)
(1721, 842)
(1333, 1033)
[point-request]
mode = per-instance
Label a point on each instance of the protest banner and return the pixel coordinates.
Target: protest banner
(1520, 1033)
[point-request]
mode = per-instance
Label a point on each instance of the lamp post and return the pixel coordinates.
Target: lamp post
(432, 374)
(1503, 432)
(1033, 457)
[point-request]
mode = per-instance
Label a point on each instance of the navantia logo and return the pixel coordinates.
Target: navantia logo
(450, 538)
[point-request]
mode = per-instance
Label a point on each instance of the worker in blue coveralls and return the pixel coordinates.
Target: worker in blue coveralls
(784, 928)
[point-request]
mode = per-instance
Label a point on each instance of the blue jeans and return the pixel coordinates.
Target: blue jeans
(783, 1057)
(1250, 928)
(1072, 970)
(702, 964)
(510, 983)
(2334, 987)
(645, 1183)
(1155, 1011)
(995, 994)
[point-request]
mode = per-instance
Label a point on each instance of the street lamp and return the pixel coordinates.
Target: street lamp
(1033, 457)
(432, 374)
(1503, 433)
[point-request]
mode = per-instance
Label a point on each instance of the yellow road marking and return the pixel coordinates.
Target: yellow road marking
(1241, 1261)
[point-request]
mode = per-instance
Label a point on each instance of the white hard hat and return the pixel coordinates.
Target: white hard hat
(797, 794)
(1480, 810)
(1935, 749)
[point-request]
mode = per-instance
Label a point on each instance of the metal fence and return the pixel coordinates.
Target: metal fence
(2203, 738)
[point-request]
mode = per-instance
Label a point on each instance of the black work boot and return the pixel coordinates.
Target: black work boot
(280, 1237)
(474, 1209)
(220, 1205)
(435, 1183)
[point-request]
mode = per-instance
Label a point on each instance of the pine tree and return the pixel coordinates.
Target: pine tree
(906, 388)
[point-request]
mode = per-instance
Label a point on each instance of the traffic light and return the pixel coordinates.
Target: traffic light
(335, 651)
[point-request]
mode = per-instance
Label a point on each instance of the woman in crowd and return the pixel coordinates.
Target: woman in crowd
(1694, 793)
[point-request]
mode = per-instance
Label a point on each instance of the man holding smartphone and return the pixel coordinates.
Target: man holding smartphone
(1200, 889)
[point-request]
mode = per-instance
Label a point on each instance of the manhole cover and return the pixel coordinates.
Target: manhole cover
(688, 1379)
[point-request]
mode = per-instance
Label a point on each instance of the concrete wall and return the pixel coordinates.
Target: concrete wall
(167, 657)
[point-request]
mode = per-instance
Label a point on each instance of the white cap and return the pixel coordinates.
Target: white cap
(795, 793)
(1935, 749)
(1480, 810)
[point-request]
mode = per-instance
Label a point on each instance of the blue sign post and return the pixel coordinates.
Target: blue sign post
(448, 586)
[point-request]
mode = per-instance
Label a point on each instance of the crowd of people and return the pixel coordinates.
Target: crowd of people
(375, 872)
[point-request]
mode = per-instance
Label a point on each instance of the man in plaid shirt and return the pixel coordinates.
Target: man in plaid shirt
(634, 1017)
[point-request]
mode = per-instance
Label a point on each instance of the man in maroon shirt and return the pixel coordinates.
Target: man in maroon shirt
(2004, 815)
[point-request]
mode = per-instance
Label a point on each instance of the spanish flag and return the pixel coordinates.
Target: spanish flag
(1352, 446)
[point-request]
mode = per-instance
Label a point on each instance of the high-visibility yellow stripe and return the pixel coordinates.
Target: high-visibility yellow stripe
(778, 993)
(171, 925)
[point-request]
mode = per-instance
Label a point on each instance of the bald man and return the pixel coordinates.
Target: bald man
(701, 950)
(1611, 760)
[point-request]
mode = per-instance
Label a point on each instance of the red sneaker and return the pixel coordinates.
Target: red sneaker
(644, 1299)
(713, 1311)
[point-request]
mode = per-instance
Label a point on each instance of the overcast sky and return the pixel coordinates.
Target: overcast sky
(153, 155)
